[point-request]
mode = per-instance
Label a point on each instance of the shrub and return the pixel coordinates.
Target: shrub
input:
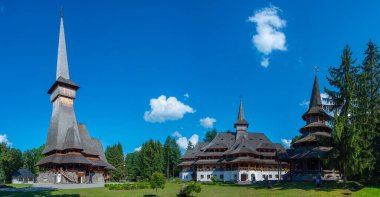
(142, 185)
(157, 180)
(187, 190)
(214, 179)
(174, 180)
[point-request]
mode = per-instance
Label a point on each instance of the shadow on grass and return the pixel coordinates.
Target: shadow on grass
(150, 195)
(307, 186)
(35, 193)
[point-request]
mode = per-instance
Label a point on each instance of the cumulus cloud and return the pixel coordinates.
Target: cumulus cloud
(265, 62)
(207, 122)
(177, 134)
(138, 149)
(162, 109)
(4, 139)
(304, 103)
(186, 95)
(183, 141)
(269, 36)
(286, 142)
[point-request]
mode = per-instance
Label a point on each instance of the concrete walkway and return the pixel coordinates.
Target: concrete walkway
(66, 186)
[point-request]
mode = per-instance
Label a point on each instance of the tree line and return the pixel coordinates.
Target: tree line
(152, 157)
(12, 159)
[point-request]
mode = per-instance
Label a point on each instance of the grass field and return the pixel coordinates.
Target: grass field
(284, 189)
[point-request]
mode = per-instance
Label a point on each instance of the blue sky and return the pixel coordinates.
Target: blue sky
(124, 53)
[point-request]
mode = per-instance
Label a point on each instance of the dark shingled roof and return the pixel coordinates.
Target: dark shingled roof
(186, 163)
(315, 106)
(23, 173)
(311, 137)
(208, 161)
(306, 152)
(243, 144)
(66, 158)
(63, 131)
(315, 125)
(192, 154)
(64, 83)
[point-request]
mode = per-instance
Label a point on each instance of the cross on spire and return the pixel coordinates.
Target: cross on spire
(316, 69)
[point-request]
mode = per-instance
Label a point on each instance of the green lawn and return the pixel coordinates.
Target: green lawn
(284, 189)
(19, 185)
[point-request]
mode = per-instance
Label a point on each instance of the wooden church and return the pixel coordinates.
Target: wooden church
(71, 155)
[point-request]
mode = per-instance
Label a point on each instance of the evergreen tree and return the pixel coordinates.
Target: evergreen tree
(115, 157)
(132, 164)
(346, 151)
(175, 157)
(210, 135)
(190, 146)
(31, 157)
(151, 156)
(172, 154)
(367, 105)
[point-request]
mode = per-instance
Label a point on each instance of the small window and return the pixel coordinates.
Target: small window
(263, 176)
(202, 176)
(277, 176)
(208, 176)
(270, 176)
(221, 176)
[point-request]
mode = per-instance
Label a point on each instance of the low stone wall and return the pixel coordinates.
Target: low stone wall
(51, 177)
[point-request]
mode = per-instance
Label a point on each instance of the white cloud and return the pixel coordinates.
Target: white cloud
(138, 148)
(286, 142)
(186, 95)
(207, 122)
(163, 109)
(304, 103)
(183, 141)
(269, 36)
(265, 62)
(177, 134)
(4, 139)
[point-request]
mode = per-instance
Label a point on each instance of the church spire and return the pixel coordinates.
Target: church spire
(315, 99)
(241, 124)
(241, 116)
(62, 65)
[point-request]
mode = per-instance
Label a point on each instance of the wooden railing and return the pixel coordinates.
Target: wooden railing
(67, 176)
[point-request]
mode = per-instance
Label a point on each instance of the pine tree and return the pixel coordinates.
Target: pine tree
(175, 157)
(151, 156)
(210, 135)
(115, 156)
(367, 106)
(190, 146)
(132, 164)
(346, 151)
(172, 154)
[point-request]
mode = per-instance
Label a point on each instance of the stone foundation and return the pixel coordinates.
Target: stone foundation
(75, 177)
